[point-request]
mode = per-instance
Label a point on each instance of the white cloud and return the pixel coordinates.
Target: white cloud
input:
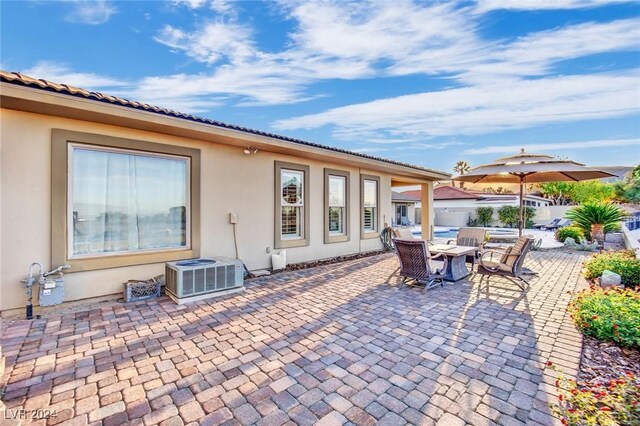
(357, 40)
(191, 4)
(535, 53)
(59, 73)
(484, 6)
(483, 108)
(212, 42)
(554, 146)
(92, 12)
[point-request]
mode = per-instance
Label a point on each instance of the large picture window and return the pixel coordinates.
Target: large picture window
(370, 194)
(119, 202)
(125, 201)
(292, 210)
(336, 184)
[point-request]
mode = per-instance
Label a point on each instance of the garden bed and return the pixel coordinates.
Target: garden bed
(605, 361)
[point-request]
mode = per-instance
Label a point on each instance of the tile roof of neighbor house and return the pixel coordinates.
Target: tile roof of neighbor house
(403, 196)
(453, 193)
(415, 193)
(24, 80)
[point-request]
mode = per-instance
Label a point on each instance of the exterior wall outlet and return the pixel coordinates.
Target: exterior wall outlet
(233, 218)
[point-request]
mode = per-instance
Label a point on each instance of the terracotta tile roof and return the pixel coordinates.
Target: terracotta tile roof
(24, 80)
(452, 193)
(414, 193)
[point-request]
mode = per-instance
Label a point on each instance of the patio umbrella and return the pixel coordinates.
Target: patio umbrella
(524, 168)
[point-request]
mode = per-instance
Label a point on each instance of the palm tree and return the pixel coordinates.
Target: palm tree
(461, 168)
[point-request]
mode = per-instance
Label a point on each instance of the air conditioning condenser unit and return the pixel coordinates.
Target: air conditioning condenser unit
(198, 279)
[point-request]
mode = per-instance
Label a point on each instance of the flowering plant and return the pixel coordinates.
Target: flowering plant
(611, 315)
(599, 404)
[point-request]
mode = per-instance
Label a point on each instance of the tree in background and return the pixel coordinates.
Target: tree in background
(592, 191)
(498, 190)
(569, 193)
(559, 193)
(484, 215)
(628, 191)
(510, 215)
(461, 168)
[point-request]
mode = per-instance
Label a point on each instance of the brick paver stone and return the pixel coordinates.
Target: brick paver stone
(330, 345)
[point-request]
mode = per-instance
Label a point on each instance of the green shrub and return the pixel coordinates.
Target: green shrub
(610, 315)
(510, 215)
(484, 215)
(574, 232)
(606, 214)
(609, 403)
(623, 263)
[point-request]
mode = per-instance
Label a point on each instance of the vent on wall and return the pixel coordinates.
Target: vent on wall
(198, 279)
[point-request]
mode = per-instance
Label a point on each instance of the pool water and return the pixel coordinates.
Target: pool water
(449, 233)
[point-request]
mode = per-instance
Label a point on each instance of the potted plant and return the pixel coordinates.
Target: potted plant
(597, 218)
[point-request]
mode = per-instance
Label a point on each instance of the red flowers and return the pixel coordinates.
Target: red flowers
(549, 363)
(595, 317)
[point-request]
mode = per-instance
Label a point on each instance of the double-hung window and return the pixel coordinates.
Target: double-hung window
(370, 194)
(292, 216)
(336, 184)
(122, 202)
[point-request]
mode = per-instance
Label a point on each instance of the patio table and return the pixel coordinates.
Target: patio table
(456, 256)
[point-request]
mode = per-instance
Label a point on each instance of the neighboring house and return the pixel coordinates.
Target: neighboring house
(116, 188)
(454, 206)
(405, 210)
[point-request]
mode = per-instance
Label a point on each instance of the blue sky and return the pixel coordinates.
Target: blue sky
(428, 83)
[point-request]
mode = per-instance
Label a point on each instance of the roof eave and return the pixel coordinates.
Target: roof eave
(49, 102)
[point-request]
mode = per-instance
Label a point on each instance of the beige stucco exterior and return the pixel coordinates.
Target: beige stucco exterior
(231, 181)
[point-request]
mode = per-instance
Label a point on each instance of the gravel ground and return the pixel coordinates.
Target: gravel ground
(603, 361)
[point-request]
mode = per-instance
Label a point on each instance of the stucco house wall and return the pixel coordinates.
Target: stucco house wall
(230, 182)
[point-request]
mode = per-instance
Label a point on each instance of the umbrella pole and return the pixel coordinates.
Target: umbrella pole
(521, 221)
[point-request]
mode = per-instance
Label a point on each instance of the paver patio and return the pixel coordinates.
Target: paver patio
(334, 344)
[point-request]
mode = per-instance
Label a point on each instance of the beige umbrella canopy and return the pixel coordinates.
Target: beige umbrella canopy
(524, 168)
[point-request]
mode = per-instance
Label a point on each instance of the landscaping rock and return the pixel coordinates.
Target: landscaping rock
(614, 238)
(610, 279)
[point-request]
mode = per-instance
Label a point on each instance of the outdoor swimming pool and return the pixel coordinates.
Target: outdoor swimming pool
(441, 233)
(452, 233)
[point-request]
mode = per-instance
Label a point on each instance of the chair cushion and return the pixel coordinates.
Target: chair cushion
(505, 255)
(516, 249)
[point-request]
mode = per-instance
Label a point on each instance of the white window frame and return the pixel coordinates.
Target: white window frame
(364, 232)
(281, 241)
(70, 198)
(299, 205)
(333, 236)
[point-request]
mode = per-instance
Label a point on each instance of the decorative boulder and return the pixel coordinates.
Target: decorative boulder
(610, 279)
(614, 238)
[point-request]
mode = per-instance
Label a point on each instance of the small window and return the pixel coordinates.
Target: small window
(292, 189)
(292, 210)
(336, 184)
(370, 194)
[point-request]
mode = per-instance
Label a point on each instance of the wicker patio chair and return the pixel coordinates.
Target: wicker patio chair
(471, 237)
(414, 263)
(510, 264)
(403, 233)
